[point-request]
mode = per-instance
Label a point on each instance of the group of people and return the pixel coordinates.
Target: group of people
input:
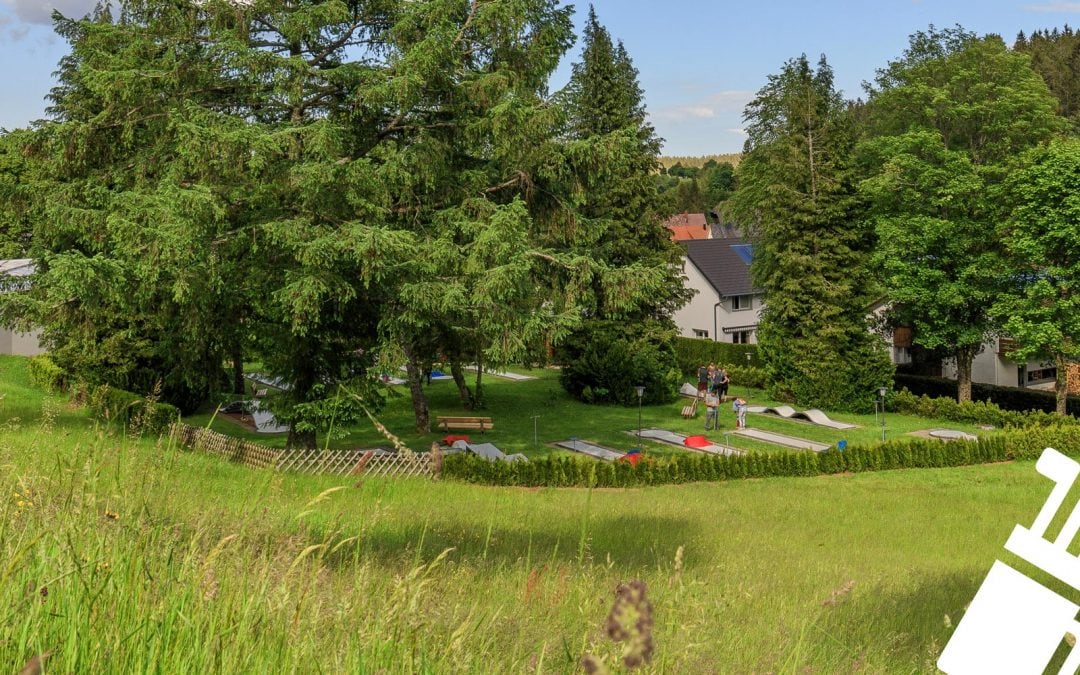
(713, 385)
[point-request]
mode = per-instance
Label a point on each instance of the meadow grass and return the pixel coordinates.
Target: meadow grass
(120, 555)
(513, 404)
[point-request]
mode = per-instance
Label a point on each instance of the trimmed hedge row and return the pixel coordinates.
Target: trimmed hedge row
(141, 415)
(46, 374)
(975, 412)
(1008, 398)
(694, 352)
(691, 467)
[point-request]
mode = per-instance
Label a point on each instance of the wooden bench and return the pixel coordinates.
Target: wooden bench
(691, 410)
(448, 423)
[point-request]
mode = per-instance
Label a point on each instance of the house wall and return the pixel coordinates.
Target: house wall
(988, 367)
(20, 344)
(698, 314)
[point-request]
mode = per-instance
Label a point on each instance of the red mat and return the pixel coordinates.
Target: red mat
(696, 442)
(449, 440)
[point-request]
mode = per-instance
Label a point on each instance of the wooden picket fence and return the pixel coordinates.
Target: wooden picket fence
(308, 461)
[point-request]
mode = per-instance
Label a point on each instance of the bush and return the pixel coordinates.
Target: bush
(46, 374)
(605, 360)
(140, 415)
(975, 412)
(1008, 398)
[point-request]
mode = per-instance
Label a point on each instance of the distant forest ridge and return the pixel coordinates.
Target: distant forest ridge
(698, 162)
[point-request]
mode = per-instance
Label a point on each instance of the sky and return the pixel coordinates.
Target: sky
(699, 61)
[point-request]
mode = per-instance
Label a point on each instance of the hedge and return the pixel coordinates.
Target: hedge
(1008, 398)
(1025, 444)
(695, 352)
(975, 412)
(140, 415)
(46, 374)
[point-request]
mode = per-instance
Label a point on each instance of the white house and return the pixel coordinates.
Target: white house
(726, 306)
(14, 342)
(992, 366)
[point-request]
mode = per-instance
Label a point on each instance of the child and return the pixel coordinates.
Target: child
(739, 406)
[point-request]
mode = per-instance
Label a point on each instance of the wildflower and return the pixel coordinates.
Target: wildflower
(631, 621)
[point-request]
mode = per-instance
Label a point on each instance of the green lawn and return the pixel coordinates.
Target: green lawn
(513, 404)
(155, 559)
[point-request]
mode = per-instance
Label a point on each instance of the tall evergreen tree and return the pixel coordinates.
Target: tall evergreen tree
(1055, 55)
(811, 243)
(613, 155)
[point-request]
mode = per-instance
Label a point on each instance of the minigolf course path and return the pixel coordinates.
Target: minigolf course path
(591, 449)
(781, 439)
(812, 415)
(673, 438)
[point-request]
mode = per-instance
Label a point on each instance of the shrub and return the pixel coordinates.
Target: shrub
(975, 412)
(605, 360)
(46, 374)
(1007, 398)
(140, 415)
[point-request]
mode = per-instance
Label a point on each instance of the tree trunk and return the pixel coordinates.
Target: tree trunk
(478, 396)
(964, 357)
(238, 370)
(296, 439)
(304, 381)
(414, 376)
(462, 386)
(1061, 384)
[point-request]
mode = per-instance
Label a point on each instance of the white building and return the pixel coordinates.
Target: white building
(14, 342)
(726, 306)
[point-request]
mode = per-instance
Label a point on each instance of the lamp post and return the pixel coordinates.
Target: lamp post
(881, 392)
(640, 393)
(748, 376)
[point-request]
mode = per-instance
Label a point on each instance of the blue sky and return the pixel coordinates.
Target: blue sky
(700, 61)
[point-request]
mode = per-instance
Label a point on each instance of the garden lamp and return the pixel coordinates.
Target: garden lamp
(640, 393)
(881, 392)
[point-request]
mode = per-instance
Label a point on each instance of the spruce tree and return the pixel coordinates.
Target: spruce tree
(811, 242)
(613, 153)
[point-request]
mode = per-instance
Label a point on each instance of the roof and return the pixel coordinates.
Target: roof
(688, 226)
(725, 263)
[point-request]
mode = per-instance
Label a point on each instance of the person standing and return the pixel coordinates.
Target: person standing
(712, 405)
(725, 380)
(702, 380)
(740, 413)
(710, 376)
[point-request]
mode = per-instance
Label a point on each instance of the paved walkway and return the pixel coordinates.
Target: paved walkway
(781, 439)
(591, 449)
(502, 373)
(673, 438)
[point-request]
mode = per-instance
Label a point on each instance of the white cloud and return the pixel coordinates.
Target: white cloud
(1054, 7)
(37, 11)
(708, 107)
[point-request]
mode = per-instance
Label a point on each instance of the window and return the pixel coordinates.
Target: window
(741, 337)
(703, 334)
(1041, 375)
(741, 302)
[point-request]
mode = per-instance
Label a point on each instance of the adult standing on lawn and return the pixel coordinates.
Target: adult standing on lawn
(712, 405)
(725, 380)
(702, 379)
